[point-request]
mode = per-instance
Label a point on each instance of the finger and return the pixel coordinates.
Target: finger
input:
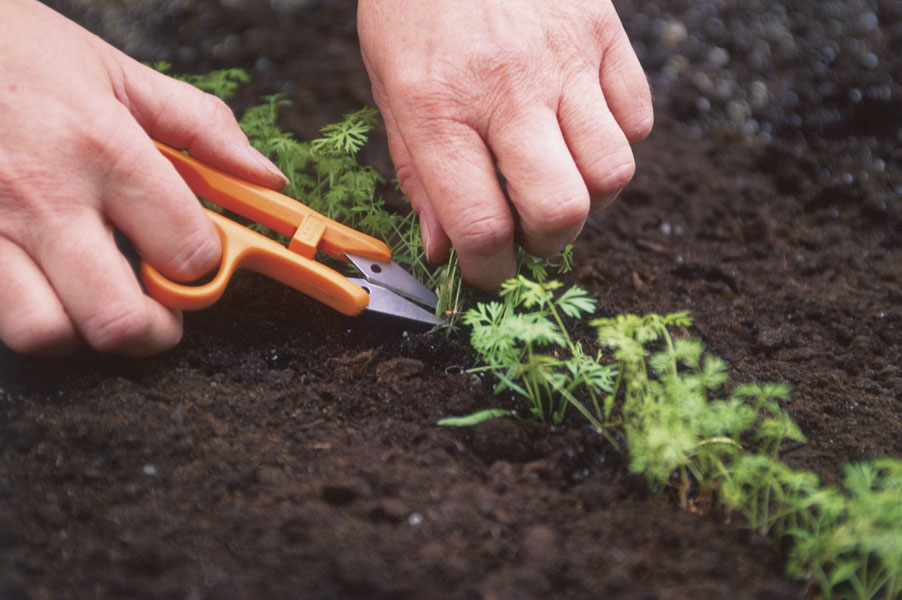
(458, 176)
(596, 141)
(99, 291)
(33, 320)
(543, 182)
(148, 201)
(625, 85)
(435, 241)
(182, 116)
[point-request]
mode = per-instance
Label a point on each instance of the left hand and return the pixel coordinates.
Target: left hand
(76, 163)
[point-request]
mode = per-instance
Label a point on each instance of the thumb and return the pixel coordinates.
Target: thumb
(184, 117)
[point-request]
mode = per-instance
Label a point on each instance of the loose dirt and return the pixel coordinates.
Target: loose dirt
(285, 451)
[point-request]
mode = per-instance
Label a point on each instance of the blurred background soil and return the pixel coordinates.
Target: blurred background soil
(285, 451)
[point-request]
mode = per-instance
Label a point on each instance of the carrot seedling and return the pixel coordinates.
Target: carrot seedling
(523, 341)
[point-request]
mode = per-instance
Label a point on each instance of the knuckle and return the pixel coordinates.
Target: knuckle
(609, 180)
(426, 100)
(208, 107)
(216, 107)
(196, 255)
(407, 179)
(117, 326)
(618, 177)
(555, 226)
(22, 199)
(490, 76)
(503, 65)
(415, 85)
(560, 213)
(113, 150)
(484, 235)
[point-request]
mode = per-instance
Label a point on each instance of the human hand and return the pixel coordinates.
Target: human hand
(549, 91)
(77, 161)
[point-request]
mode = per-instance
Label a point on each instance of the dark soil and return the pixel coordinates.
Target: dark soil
(285, 451)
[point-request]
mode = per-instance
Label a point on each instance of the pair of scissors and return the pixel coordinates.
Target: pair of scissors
(385, 287)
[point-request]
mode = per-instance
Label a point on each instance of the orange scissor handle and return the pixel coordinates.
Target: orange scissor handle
(309, 230)
(246, 249)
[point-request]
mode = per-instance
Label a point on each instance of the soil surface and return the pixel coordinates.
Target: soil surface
(285, 451)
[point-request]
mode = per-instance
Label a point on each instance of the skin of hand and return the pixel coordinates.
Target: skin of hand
(549, 92)
(77, 162)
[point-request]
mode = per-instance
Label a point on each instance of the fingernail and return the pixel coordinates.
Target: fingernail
(268, 165)
(426, 234)
(601, 202)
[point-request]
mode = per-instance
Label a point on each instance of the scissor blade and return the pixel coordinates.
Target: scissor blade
(392, 276)
(387, 302)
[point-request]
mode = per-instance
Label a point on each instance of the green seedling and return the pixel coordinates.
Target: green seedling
(851, 543)
(679, 419)
(523, 341)
(324, 172)
(223, 83)
(689, 429)
(666, 402)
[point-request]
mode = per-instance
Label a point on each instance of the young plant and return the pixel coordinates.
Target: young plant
(675, 422)
(685, 426)
(523, 341)
(666, 403)
(774, 498)
(852, 543)
(324, 172)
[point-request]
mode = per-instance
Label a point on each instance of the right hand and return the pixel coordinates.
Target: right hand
(76, 162)
(549, 92)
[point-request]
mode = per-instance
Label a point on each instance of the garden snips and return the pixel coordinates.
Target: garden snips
(385, 287)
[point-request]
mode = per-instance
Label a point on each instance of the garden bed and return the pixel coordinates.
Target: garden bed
(283, 450)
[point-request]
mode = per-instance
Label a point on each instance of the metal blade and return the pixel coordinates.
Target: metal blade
(387, 302)
(392, 276)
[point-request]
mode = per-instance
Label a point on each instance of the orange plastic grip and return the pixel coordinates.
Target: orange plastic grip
(246, 249)
(309, 229)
